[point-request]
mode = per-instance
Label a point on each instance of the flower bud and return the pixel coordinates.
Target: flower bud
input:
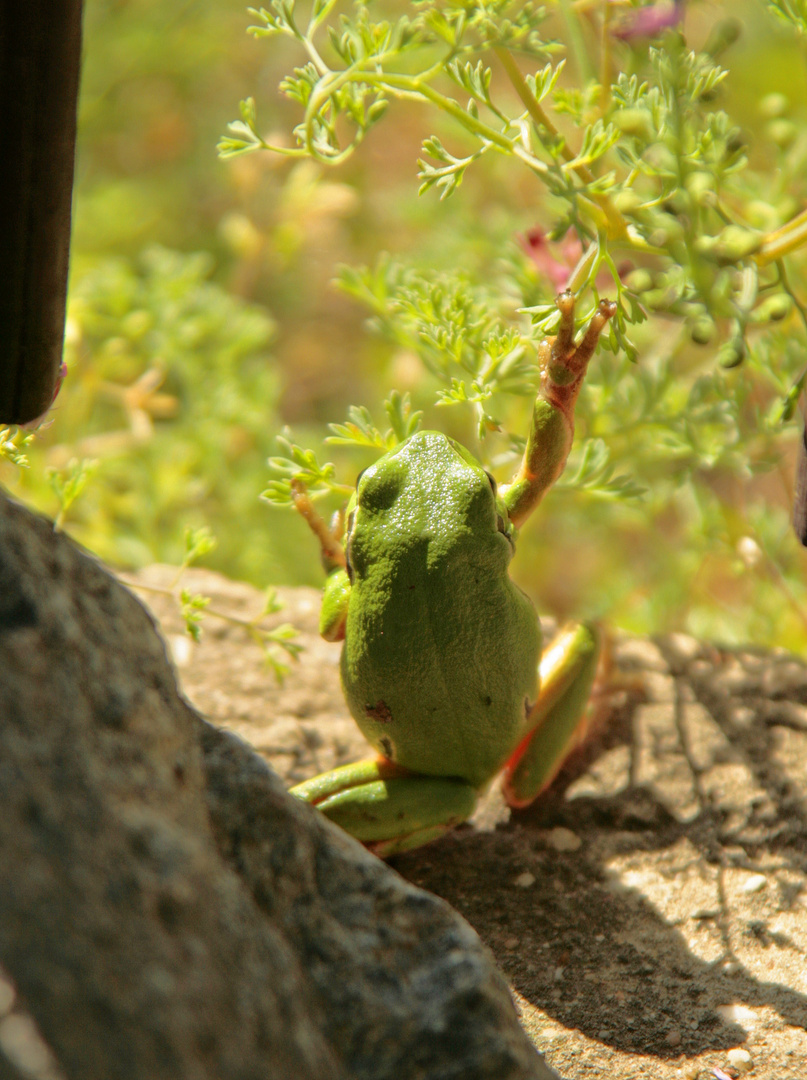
(732, 354)
(732, 245)
(773, 106)
(782, 132)
(634, 122)
(703, 330)
(773, 308)
(639, 281)
(701, 187)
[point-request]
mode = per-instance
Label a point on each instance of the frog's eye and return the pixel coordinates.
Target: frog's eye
(491, 481)
(379, 490)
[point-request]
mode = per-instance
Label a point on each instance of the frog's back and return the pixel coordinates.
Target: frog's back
(441, 648)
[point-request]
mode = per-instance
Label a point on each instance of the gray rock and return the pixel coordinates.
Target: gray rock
(166, 910)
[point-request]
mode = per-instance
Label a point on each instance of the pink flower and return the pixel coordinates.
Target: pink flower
(557, 261)
(647, 22)
(557, 265)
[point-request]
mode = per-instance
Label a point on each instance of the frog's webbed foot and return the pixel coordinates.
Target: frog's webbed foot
(386, 807)
(563, 363)
(561, 716)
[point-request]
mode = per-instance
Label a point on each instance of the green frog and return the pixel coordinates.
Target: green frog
(441, 664)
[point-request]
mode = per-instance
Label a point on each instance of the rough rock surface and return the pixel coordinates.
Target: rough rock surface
(165, 909)
(651, 912)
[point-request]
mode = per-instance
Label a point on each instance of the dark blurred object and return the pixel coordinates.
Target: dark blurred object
(40, 58)
(800, 493)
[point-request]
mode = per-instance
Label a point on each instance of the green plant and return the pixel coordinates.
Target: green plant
(278, 644)
(646, 188)
(170, 393)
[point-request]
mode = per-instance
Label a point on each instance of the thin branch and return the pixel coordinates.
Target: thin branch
(618, 225)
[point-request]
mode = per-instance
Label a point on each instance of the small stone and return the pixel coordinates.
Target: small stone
(511, 943)
(742, 717)
(604, 1035)
(737, 1014)
(641, 652)
(564, 839)
(784, 679)
(525, 880)
(181, 649)
(673, 1037)
(740, 1059)
(754, 883)
(683, 647)
(658, 687)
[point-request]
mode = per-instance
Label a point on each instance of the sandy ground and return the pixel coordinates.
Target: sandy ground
(651, 911)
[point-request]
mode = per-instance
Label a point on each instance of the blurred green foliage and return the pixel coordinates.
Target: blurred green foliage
(183, 367)
(171, 393)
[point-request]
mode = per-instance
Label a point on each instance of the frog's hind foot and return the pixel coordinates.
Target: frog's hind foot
(388, 808)
(562, 716)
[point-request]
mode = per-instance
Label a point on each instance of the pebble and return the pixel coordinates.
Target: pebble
(672, 1038)
(511, 943)
(682, 647)
(740, 1059)
(523, 881)
(564, 839)
(737, 1014)
(181, 649)
(690, 1072)
(641, 652)
(754, 883)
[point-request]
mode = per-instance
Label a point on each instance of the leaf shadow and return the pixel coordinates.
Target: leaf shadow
(583, 945)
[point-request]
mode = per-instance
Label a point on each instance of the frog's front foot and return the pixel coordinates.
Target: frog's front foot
(386, 807)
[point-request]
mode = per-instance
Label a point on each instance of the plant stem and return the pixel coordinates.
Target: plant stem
(570, 18)
(250, 625)
(617, 224)
(784, 240)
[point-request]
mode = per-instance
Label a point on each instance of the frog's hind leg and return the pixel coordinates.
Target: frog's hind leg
(388, 808)
(560, 718)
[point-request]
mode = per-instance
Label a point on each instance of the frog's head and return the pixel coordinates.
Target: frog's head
(431, 495)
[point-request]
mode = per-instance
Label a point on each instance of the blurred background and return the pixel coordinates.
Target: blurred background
(202, 320)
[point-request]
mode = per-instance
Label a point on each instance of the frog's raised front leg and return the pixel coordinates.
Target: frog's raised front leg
(559, 719)
(387, 807)
(563, 368)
